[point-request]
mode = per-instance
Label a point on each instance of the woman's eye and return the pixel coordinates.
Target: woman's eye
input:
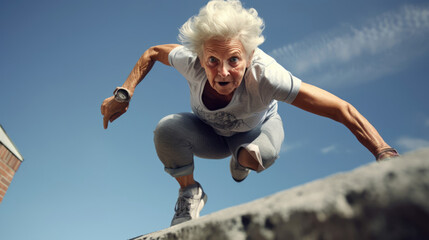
(234, 60)
(212, 61)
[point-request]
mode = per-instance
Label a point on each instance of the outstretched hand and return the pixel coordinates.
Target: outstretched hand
(111, 110)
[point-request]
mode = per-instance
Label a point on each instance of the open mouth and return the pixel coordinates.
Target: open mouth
(223, 83)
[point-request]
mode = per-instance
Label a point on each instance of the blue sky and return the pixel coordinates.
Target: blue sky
(60, 59)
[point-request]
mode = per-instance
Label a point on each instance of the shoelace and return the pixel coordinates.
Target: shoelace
(182, 207)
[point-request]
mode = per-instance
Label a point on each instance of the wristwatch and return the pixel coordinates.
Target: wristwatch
(391, 150)
(122, 95)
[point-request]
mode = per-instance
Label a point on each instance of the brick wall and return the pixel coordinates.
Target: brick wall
(9, 164)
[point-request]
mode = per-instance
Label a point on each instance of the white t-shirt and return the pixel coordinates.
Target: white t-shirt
(255, 100)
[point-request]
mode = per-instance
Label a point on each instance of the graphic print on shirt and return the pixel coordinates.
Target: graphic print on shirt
(220, 120)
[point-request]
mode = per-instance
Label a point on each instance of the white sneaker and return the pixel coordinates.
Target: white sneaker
(189, 204)
(238, 172)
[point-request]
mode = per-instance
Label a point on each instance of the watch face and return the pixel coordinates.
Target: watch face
(122, 95)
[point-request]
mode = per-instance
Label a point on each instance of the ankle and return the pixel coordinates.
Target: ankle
(183, 186)
(185, 181)
(249, 163)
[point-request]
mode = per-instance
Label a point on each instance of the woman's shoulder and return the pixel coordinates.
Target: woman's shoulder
(264, 67)
(180, 54)
(186, 62)
(261, 59)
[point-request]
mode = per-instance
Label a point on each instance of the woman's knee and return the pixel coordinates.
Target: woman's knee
(172, 145)
(269, 155)
(170, 127)
(252, 156)
(271, 140)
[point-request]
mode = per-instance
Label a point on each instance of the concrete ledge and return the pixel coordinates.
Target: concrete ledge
(387, 200)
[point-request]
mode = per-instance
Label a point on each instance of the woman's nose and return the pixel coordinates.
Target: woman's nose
(223, 70)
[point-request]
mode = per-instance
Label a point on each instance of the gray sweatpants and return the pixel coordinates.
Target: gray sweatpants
(180, 137)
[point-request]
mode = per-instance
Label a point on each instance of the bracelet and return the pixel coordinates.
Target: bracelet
(385, 151)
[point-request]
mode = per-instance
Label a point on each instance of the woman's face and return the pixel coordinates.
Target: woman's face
(224, 62)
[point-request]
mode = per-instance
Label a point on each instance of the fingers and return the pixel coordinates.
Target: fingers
(111, 110)
(111, 118)
(103, 112)
(105, 122)
(115, 116)
(104, 105)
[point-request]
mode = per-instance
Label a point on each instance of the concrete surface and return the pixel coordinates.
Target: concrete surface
(387, 200)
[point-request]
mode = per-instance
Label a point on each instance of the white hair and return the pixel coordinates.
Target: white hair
(221, 19)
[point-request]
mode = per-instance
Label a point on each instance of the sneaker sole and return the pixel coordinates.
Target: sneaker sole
(237, 180)
(200, 207)
(232, 175)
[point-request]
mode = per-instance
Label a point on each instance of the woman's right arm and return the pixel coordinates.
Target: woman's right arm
(110, 108)
(145, 63)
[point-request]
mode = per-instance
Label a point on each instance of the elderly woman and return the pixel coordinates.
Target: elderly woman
(234, 88)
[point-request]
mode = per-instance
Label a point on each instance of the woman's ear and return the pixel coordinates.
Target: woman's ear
(200, 58)
(249, 59)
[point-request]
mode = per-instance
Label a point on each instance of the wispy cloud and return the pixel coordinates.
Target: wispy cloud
(355, 54)
(409, 143)
(289, 147)
(329, 149)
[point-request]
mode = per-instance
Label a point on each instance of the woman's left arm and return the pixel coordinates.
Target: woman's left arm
(315, 100)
